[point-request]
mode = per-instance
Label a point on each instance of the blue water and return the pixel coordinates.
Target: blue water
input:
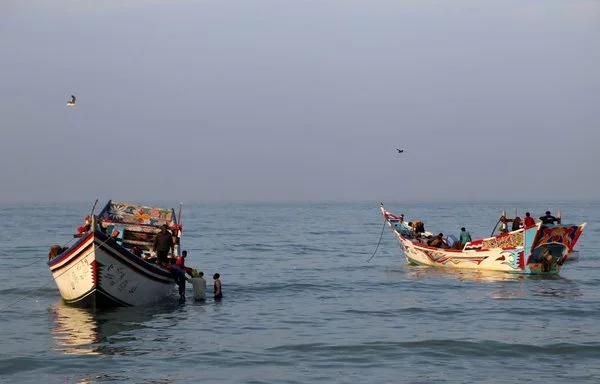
(303, 305)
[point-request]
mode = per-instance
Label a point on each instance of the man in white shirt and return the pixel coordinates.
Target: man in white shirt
(199, 285)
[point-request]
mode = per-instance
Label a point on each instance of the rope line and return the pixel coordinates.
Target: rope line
(379, 242)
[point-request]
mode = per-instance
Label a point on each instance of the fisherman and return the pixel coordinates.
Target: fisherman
(464, 236)
(437, 242)
(529, 221)
(218, 294)
(180, 262)
(199, 285)
(179, 277)
(418, 226)
(549, 219)
(163, 242)
(516, 223)
(503, 228)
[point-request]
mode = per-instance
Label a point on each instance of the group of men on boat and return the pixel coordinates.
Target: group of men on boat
(527, 222)
(417, 230)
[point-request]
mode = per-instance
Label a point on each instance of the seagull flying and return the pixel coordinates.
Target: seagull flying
(399, 150)
(72, 102)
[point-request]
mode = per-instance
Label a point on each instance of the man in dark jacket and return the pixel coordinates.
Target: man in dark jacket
(549, 219)
(163, 242)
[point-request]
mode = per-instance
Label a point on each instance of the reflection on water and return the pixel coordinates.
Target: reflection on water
(421, 272)
(75, 330)
(507, 285)
(86, 332)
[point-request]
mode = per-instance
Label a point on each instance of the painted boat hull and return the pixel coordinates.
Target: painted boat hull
(519, 252)
(98, 272)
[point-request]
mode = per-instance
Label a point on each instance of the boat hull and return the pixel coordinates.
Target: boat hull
(97, 272)
(493, 260)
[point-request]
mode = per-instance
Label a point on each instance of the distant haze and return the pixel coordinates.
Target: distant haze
(275, 100)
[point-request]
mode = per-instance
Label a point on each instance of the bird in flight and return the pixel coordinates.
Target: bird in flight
(399, 150)
(72, 102)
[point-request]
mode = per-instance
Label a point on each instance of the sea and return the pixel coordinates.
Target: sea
(313, 293)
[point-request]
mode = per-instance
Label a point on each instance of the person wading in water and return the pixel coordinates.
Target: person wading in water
(218, 294)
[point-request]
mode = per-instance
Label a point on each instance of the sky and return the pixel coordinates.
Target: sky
(299, 100)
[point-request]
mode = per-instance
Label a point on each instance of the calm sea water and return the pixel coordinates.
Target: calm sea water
(302, 305)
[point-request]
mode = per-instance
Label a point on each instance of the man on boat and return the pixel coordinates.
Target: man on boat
(418, 227)
(503, 227)
(464, 237)
(528, 221)
(180, 262)
(549, 219)
(516, 224)
(163, 242)
(437, 242)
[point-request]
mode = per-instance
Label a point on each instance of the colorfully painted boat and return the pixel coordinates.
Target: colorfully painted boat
(110, 263)
(540, 249)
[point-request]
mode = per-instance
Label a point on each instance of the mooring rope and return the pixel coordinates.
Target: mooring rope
(26, 296)
(379, 242)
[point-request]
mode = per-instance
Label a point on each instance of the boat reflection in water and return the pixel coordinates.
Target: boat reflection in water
(503, 285)
(79, 331)
(420, 272)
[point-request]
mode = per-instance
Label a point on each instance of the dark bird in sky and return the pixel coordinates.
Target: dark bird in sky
(399, 150)
(72, 102)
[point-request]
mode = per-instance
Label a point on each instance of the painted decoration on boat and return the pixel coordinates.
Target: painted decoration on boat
(509, 240)
(444, 258)
(512, 257)
(561, 235)
(137, 214)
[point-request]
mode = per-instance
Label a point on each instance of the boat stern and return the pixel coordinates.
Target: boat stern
(548, 246)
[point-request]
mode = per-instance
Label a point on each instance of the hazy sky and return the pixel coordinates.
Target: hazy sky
(281, 100)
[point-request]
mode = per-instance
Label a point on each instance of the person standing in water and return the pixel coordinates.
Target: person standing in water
(218, 294)
(179, 277)
(199, 285)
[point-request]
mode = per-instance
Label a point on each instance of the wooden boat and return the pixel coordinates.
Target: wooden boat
(110, 263)
(540, 249)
